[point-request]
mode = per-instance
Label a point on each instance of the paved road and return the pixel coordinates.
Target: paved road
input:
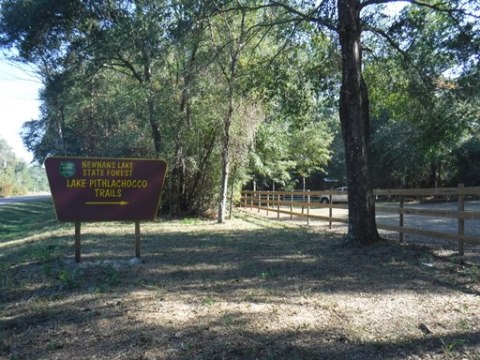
(21, 199)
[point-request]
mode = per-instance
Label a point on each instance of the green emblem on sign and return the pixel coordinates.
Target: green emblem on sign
(67, 169)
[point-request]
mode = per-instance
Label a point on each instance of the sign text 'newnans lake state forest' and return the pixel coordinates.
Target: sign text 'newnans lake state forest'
(105, 189)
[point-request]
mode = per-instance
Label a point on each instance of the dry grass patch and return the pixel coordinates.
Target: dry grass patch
(249, 289)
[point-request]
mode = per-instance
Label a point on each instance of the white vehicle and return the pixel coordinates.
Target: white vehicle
(336, 198)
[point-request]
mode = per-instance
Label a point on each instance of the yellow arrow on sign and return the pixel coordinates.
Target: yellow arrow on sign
(121, 203)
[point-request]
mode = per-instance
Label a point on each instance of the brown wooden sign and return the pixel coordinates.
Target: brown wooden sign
(105, 189)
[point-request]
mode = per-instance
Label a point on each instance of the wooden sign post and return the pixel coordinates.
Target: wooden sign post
(105, 189)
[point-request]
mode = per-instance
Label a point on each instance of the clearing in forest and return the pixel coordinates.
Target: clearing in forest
(248, 289)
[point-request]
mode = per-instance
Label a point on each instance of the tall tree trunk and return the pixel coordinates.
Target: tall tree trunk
(156, 135)
(225, 161)
(230, 75)
(354, 117)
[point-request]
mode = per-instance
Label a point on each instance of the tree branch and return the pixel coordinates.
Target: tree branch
(310, 17)
(408, 61)
(439, 6)
(127, 64)
(307, 17)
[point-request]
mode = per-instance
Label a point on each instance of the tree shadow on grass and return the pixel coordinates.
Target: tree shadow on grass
(226, 261)
(51, 300)
(107, 333)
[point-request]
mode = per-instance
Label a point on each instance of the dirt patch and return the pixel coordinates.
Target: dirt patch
(249, 289)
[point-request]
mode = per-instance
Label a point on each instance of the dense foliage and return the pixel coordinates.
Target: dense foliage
(230, 92)
(16, 176)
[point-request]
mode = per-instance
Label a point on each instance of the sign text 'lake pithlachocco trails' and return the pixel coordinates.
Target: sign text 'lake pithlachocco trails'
(105, 189)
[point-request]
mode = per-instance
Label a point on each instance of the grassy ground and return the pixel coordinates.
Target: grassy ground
(250, 289)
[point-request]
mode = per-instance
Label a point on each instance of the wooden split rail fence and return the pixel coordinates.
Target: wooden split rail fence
(301, 204)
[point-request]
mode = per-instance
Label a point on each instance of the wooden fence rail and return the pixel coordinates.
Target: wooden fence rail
(300, 204)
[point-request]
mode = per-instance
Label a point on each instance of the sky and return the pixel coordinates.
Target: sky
(19, 89)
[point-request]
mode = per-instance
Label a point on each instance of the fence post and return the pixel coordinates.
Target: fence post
(303, 201)
(137, 239)
(77, 241)
(259, 201)
(291, 204)
(308, 207)
(330, 210)
(253, 194)
(278, 205)
(401, 218)
(268, 200)
(461, 220)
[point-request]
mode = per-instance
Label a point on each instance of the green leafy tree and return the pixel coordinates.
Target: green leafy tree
(16, 176)
(271, 160)
(295, 140)
(127, 73)
(7, 168)
(467, 157)
(417, 107)
(348, 19)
